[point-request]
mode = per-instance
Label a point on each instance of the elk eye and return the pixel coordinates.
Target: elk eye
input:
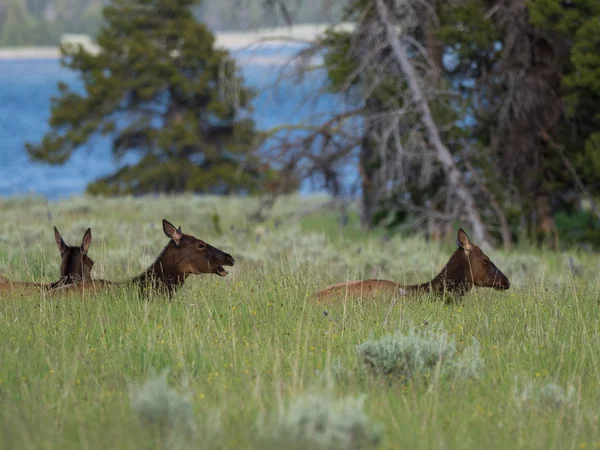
(201, 246)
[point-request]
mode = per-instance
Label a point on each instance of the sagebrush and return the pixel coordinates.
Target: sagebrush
(247, 345)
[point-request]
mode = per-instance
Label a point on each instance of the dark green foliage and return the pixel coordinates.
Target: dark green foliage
(579, 229)
(527, 76)
(583, 87)
(160, 89)
(533, 91)
(578, 23)
(470, 37)
(562, 17)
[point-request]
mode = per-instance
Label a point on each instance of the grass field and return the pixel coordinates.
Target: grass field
(251, 362)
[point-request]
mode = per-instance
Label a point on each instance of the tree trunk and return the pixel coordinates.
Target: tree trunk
(432, 44)
(545, 230)
(370, 165)
(504, 228)
(368, 172)
(443, 154)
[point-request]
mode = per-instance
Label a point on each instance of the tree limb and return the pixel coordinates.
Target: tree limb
(443, 154)
(504, 228)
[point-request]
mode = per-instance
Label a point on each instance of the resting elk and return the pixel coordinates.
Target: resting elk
(75, 266)
(468, 267)
(184, 255)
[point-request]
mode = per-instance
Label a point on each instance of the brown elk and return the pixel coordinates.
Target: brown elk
(468, 266)
(75, 266)
(184, 255)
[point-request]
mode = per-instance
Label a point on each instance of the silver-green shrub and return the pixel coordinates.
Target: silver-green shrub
(319, 421)
(419, 353)
(531, 394)
(161, 408)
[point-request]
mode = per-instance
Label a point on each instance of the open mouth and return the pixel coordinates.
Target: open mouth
(221, 271)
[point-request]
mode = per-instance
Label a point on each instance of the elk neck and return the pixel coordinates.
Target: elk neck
(452, 278)
(165, 271)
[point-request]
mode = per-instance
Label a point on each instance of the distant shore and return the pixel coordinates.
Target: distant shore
(229, 40)
(29, 53)
(41, 53)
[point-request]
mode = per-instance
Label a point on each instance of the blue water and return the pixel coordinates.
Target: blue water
(26, 89)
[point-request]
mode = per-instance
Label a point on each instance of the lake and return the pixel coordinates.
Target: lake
(27, 86)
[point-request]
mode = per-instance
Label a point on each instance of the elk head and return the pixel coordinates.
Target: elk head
(76, 265)
(194, 256)
(478, 269)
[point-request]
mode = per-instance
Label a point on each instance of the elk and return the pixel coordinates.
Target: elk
(184, 255)
(75, 265)
(468, 266)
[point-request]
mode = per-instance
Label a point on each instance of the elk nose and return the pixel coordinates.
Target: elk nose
(230, 260)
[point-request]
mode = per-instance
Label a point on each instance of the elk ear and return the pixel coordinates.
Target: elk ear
(171, 232)
(179, 229)
(87, 240)
(462, 240)
(62, 247)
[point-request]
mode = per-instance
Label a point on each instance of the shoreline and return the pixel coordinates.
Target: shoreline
(238, 40)
(7, 53)
(53, 53)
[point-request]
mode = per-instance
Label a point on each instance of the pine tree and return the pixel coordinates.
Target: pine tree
(158, 88)
(532, 86)
(577, 24)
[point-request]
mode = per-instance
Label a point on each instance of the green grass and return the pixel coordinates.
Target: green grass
(245, 346)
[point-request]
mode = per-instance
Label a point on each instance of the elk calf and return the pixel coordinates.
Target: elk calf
(468, 266)
(184, 255)
(75, 266)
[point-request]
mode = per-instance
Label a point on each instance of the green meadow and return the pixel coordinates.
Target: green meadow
(251, 361)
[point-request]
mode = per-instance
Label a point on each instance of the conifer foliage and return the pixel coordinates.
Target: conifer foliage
(158, 88)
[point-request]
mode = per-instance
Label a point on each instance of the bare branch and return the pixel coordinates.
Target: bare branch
(504, 228)
(443, 154)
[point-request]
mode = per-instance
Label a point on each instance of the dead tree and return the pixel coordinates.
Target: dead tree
(387, 130)
(443, 154)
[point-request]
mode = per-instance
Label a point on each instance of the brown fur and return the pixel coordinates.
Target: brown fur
(468, 266)
(184, 255)
(75, 266)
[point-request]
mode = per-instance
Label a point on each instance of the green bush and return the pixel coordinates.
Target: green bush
(317, 420)
(419, 354)
(549, 396)
(162, 409)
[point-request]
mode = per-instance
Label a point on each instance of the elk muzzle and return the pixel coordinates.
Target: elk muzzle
(500, 281)
(219, 259)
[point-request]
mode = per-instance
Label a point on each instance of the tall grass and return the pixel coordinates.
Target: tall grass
(245, 348)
